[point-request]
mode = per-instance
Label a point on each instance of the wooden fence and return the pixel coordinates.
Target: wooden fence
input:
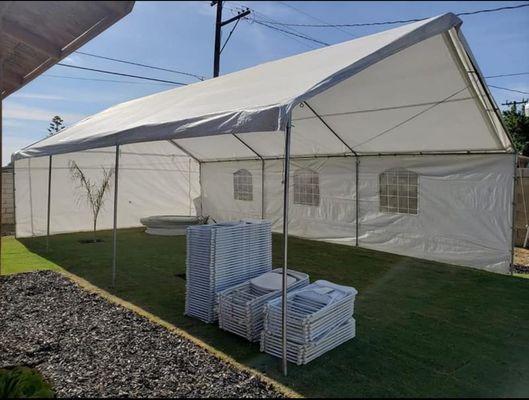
(8, 196)
(521, 216)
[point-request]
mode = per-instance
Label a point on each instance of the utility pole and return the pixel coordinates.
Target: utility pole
(525, 108)
(515, 103)
(218, 33)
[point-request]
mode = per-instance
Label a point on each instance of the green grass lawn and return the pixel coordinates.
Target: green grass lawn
(423, 328)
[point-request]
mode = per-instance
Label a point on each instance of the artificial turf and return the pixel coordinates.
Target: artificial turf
(424, 329)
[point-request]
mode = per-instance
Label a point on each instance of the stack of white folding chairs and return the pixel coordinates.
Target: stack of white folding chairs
(241, 308)
(220, 256)
(319, 318)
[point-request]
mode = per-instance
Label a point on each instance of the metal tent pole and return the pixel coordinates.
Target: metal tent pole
(49, 205)
(353, 152)
(285, 245)
(189, 186)
(115, 233)
(262, 188)
(357, 200)
(201, 189)
(513, 212)
(1, 145)
(14, 198)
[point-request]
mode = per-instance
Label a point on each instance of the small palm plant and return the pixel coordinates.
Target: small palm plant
(93, 193)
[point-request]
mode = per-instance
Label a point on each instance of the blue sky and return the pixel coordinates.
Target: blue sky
(179, 35)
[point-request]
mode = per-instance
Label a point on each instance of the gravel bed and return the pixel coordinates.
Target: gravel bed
(86, 346)
(520, 269)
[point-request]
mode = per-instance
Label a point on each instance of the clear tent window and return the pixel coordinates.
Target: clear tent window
(306, 187)
(242, 185)
(398, 191)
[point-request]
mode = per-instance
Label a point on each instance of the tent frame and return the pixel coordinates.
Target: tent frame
(49, 204)
(467, 66)
(115, 218)
(354, 153)
(286, 191)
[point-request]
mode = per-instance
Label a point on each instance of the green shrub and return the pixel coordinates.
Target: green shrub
(23, 382)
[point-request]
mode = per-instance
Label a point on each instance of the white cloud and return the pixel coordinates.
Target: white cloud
(39, 96)
(12, 123)
(12, 144)
(27, 113)
(73, 59)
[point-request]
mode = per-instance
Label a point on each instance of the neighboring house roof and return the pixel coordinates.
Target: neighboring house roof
(35, 35)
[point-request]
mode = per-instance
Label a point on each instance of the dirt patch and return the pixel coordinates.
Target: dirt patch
(521, 260)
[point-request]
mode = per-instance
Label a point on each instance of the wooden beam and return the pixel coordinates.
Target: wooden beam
(33, 40)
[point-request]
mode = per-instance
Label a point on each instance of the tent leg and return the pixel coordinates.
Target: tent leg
(285, 247)
(14, 199)
(115, 228)
(262, 188)
(49, 206)
(189, 186)
(31, 219)
(357, 200)
(513, 206)
(1, 146)
(201, 189)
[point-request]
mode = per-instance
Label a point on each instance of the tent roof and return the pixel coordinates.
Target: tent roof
(257, 101)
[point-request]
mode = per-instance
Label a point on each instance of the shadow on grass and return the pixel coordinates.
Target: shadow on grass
(423, 328)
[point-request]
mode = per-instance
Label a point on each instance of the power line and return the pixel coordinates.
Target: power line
(291, 33)
(170, 84)
(286, 27)
(142, 65)
(490, 10)
(269, 24)
(292, 36)
(505, 75)
(229, 35)
(122, 74)
(183, 84)
(288, 32)
(104, 80)
(315, 18)
(509, 90)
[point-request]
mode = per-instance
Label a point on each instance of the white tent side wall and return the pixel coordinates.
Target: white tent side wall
(463, 201)
(31, 188)
(464, 212)
(154, 178)
(218, 191)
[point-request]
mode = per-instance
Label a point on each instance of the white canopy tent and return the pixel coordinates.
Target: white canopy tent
(394, 139)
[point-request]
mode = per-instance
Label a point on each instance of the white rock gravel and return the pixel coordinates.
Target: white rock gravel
(88, 347)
